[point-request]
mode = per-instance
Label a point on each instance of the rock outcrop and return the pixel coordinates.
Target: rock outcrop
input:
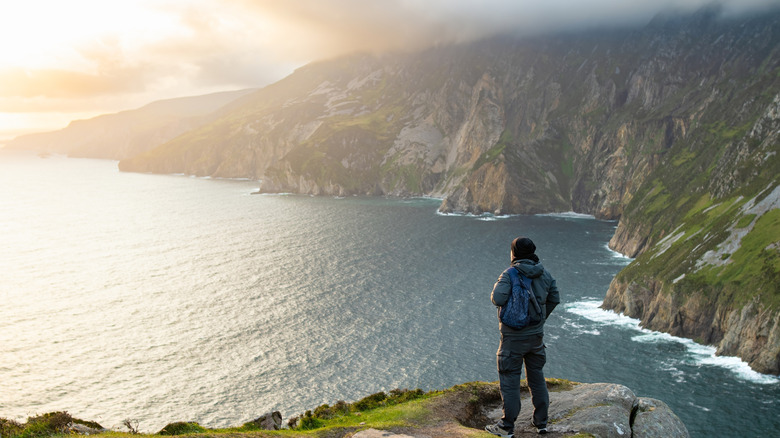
(268, 421)
(603, 410)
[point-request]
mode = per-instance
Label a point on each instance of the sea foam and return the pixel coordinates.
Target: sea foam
(700, 354)
(480, 217)
(568, 215)
(618, 255)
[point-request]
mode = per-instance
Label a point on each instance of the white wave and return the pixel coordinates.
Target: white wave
(574, 327)
(679, 376)
(582, 331)
(592, 311)
(699, 407)
(705, 355)
(569, 215)
(739, 367)
(481, 217)
(490, 217)
(701, 354)
(618, 255)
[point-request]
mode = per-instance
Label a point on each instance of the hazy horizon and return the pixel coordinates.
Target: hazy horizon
(84, 58)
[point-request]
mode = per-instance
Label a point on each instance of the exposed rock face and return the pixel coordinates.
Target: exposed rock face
(709, 269)
(751, 332)
(268, 421)
(603, 410)
(653, 418)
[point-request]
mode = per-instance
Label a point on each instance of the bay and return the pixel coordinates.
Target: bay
(170, 298)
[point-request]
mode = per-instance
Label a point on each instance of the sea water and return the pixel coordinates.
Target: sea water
(170, 298)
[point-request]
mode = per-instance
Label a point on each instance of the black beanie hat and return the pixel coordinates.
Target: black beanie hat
(523, 248)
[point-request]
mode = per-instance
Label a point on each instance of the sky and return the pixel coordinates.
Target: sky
(62, 60)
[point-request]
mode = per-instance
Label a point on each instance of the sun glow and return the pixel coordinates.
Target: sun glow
(57, 34)
(65, 60)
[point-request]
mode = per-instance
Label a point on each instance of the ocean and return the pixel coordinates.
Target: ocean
(164, 298)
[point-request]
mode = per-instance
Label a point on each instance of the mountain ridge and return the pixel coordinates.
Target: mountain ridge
(127, 133)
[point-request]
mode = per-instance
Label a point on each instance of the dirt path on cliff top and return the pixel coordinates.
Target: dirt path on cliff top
(466, 410)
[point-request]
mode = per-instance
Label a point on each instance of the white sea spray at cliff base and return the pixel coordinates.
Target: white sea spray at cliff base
(618, 255)
(479, 217)
(568, 215)
(701, 354)
(493, 217)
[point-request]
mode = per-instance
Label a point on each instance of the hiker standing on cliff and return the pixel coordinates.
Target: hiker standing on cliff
(525, 344)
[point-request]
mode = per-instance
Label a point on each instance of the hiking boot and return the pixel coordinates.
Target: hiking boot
(541, 430)
(495, 429)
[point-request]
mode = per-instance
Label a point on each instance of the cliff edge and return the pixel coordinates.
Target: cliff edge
(601, 410)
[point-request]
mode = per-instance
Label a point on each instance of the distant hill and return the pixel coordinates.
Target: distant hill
(129, 133)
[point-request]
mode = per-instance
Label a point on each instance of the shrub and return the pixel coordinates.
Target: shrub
(46, 424)
(308, 421)
(327, 412)
(9, 428)
(370, 402)
(404, 395)
(181, 428)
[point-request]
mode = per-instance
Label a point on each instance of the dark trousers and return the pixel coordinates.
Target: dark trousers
(511, 356)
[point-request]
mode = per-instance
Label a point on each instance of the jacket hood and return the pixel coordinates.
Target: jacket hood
(529, 268)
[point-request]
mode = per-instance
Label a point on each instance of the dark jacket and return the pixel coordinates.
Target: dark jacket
(543, 285)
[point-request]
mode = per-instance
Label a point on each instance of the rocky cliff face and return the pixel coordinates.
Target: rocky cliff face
(706, 228)
(504, 125)
(715, 279)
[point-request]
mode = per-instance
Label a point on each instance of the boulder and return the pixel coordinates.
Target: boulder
(653, 418)
(604, 410)
(268, 421)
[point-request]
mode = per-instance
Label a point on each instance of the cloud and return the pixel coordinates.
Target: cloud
(67, 84)
(342, 26)
(213, 47)
(189, 47)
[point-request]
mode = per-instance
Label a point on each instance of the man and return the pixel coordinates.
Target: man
(525, 345)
